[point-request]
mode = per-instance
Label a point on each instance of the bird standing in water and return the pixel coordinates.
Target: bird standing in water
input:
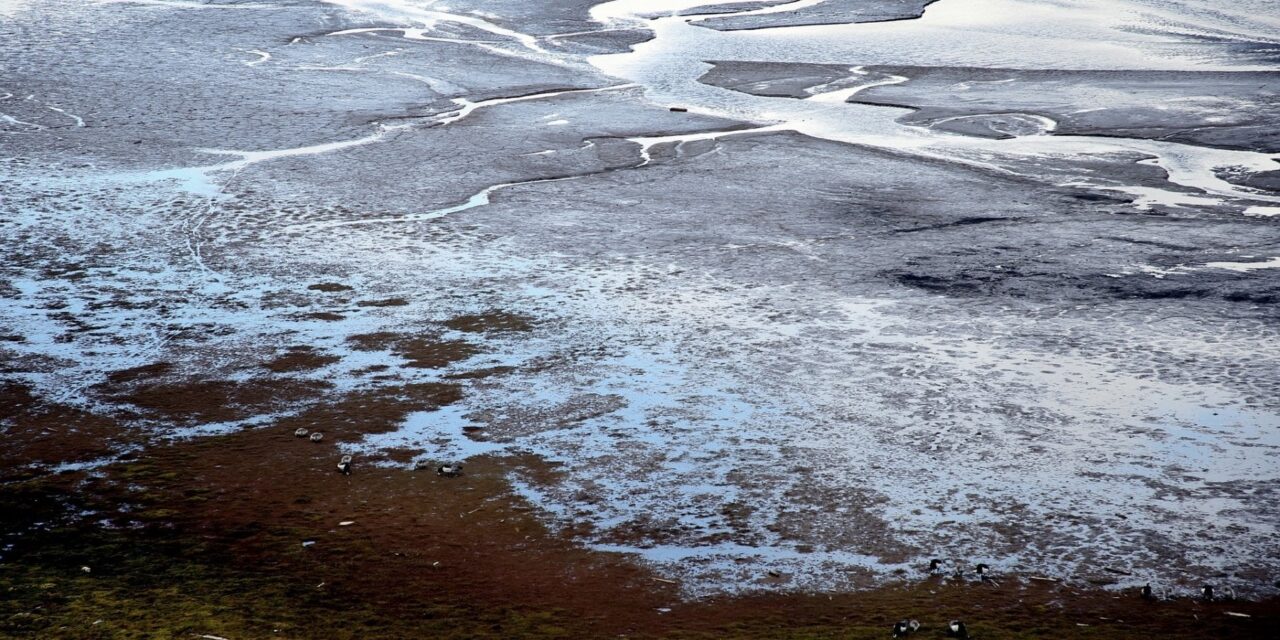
(344, 465)
(956, 630)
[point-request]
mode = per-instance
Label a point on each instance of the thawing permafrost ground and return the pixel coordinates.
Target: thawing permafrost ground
(724, 423)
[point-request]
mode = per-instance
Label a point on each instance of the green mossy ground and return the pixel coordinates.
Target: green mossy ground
(154, 574)
(154, 582)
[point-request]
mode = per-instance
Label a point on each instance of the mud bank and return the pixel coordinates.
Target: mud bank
(255, 534)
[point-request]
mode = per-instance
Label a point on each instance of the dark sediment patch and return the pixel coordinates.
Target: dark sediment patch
(491, 322)
(422, 352)
(957, 223)
(374, 411)
(190, 401)
(135, 374)
(379, 341)
(300, 358)
(426, 353)
(727, 7)
(37, 433)
(329, 287)
(604, 41)
(830, 12)
(386, 302)
(1266, 180)
(327, 316)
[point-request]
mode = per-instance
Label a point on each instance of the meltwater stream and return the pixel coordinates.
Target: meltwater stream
(1015, 34)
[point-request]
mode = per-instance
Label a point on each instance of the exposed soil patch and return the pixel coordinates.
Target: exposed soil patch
(388, 302)
(134, 374)
(425, 353)
(379, 341)
(491, 322)
(422, 352)
(216, 400)
(377, 411)
(34, 432)
(300, 358)
(329, 287)
(327, 316)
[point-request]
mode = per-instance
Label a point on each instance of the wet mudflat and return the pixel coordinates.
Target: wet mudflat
(735, 315)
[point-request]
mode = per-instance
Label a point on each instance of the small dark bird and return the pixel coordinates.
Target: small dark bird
(344, 465)
(905, 627)
(300, 432)
(449, 470)
(956, 630)
(934, 565)
(1207, 592)
(1147, 593)
(981, 570)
